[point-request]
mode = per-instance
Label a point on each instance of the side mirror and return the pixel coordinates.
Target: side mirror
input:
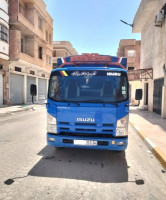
(138, 94)
(33, 91)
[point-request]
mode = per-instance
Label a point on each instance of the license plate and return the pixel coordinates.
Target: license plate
(85, 142)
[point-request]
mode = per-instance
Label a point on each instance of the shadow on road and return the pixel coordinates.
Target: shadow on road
(82, 164)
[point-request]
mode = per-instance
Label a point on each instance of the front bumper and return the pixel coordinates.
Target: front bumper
(115, 144)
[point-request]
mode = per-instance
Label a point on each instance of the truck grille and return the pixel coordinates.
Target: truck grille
(86, 135)
(85, 128)
(85, 124)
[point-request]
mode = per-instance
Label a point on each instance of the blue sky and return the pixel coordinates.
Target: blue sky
(93, 26)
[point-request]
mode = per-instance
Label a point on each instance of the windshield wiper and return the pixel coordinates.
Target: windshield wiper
(64, 100)
(99, 101)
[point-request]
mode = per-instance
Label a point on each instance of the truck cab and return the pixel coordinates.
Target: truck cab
(88, 103)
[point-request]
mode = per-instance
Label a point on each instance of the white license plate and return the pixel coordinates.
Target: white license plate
(85, 142)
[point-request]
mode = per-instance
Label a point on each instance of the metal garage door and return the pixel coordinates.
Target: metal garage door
(16, 88)
(1, 89)
(42, 84)
(157, 95)
(30, 80)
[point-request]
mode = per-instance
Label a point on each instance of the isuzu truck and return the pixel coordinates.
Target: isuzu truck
(88, 103)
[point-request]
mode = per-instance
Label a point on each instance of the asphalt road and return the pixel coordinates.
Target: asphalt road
(29, 169)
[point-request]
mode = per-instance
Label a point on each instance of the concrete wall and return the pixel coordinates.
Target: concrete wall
(13, 10)
(15, 46)
(133, 86)
(153, 44)
(5, 73)
(4, 50)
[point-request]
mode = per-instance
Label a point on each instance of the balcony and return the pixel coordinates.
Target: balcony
(24, 22)
(27, 58)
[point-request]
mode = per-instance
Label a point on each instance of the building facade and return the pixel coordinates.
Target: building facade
(4, 51)
(62, 49)
(31, 46)
(150, 22)
(130, 48)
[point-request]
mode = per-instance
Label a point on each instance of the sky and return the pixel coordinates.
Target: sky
(93, 26)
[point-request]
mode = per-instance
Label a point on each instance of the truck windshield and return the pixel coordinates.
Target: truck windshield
(88, 86)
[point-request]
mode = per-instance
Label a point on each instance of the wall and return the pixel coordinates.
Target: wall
(15, 46)
(13, 10)
(153, 48)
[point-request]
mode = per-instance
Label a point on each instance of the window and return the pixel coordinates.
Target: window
(131, 53)
(32, 72)
(3, 33)
(22, 45)
(54, 65)
(50, 42)
(1, 66)
(130, 68)
(50, 60)
(54, 53)
(46, 36)
(17, 69)
(40, 25)
(43, 75)
(40, 52)
(47, 59)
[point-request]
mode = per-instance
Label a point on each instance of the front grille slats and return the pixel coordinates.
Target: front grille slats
(108, 125)
(85, 124)
(107, 130)
(85, 128)
(86, 134)
(63, 128)
(64, 123)
(82, 129)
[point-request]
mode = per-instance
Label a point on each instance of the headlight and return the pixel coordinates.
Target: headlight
(51, 124)
(122, 126)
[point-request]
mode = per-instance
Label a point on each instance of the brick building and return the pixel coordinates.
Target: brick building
(4, 51)
(62, 49)
(130, 48)
(31, 32)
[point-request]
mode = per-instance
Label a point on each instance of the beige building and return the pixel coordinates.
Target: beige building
(4, 51)
(130, 48)
(62, 49)
(31, 46)
(150, 22)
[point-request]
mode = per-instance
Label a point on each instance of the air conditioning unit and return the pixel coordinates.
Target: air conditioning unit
(159, 18)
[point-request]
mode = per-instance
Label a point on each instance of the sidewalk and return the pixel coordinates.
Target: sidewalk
(5, 110)
(152, 129)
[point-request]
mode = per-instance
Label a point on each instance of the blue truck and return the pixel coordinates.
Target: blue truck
(88, 103)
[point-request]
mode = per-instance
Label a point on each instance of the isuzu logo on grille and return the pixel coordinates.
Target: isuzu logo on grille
(85, 119)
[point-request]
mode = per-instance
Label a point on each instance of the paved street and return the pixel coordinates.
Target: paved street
(29, 169)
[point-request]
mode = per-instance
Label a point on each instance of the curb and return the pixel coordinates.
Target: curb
(155, 150)
(30, 107)
(14, 111)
